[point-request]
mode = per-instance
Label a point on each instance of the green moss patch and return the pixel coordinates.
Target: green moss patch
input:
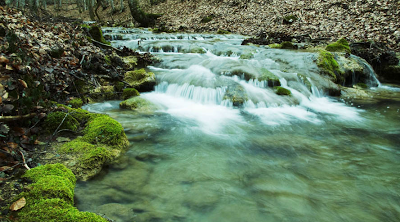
(50, 197)
(223, 32)
(340, 46)
(329, 66)
(76, 103)
(361, 85)
(54, 119)
(268, 76)
(282, 91)
(97, 34)
(140, 79)
(129, 92)
(105, 130)
(246, 56)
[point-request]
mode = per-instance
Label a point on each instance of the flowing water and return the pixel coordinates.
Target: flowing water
(219, 145)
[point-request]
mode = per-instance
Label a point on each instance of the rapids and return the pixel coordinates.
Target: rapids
(221, 145)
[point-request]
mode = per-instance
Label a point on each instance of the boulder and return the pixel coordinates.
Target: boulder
(141, 80)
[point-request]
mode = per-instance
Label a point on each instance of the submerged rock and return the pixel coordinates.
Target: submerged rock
(138, 104)
(236, 94)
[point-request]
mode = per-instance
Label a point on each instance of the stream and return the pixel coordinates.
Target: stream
(218, 144)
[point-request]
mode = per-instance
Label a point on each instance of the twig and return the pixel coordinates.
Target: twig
(12, 118)
(23, 159)
(83, 58)
(10, 167)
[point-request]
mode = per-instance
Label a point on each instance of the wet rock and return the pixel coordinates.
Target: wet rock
(236, 94)
(141, 80)
(139, 104)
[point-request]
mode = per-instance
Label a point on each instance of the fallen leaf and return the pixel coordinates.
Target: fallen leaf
(18, 204)
(12, 145)
(23, 83)
(3, 59)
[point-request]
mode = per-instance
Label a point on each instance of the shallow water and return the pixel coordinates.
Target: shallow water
(197, 158)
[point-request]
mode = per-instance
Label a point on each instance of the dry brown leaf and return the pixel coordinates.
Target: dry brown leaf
(23, 83)
(3, 59)
(12, 145)
(18, 204)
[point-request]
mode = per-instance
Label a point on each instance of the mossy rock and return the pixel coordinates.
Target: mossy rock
(76, 146)
(103, 129)
(247, 56)
(54, 120)
(329, 66)
(340, 46)
(236, 94)
(223, 32)
(141, 80)
(97, 34)
(103, 93)
(283, 45)
(272, 79)
(119, 86)
(207, 19)
(50, 197)
(197, 50)
(130, 61)
(289, 19)
(76, 103)
(96, 158)
(79, 114)
(282, 91)
(138, 104)
(275, 46)
(361, 86)
(129, 92)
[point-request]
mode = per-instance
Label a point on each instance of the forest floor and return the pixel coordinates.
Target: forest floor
(328, 20)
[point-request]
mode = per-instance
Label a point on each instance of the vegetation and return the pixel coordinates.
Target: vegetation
(329, 66)
(282, 91)
(340, 46)
(50, 197)
(129, 92)
(75, 103)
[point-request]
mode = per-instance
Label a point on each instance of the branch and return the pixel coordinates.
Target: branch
(23, 159)
(13, 118)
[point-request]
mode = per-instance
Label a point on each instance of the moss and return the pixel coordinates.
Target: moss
(95, 158)
(97, 34)
(50, 170)
(282, 91)
(268, 76)
(107, 60)
(138, 104)
(75, 103)
(361, 85)
(140, 79)
(289, 19)
(129, 92)
(340, 46)
(131, 61)
(104, 129)
(329, 66)
(207, 19)
(246, 56)
(197, 50)
(102, 93)
(236, 94)
(119, 86)
(223, 32)
(79, 114)
(54, 119)
(275, 46)
(76, 146)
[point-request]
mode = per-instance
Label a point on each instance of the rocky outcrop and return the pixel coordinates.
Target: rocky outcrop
(141, 80)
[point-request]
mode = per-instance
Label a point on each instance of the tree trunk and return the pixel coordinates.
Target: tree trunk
(122, 5)
(91, 11)
(144, 19)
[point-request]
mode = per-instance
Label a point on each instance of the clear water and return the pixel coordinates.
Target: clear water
(196, 157)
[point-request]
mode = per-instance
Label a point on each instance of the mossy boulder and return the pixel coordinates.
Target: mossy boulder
(340, 46)
(76, 103)
(130, 61)
(282, 91)
(103, 129)
(54, 119)
(391, 73)
(236, 94)
(223, 32)
(129, 92)
(329, 66)
(102, 93)
(138, 104)
(283, 45)
(141, 80)
(197, 50)
(247, 56)
(119, 86)
(50, 197)
(269, 77)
